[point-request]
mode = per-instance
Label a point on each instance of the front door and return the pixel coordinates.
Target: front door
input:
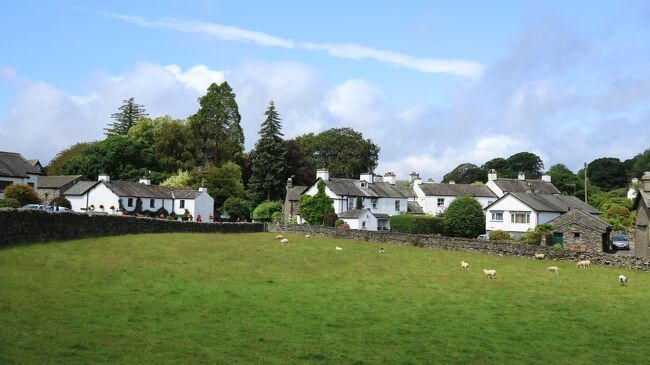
(558, 237)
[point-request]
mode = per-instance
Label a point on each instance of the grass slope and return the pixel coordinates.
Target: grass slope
(244, 298)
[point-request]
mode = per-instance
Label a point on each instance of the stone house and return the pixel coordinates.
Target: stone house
(578, 230)
(642, 206)
(291, 207)
(51, 187)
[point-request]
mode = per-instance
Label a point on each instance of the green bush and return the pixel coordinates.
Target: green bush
(499, 235)
(9, 203)
(419, 224)
(534, 237)
(24, 194)
(464, 218)
(338, 223)
(62, 202)
(264, 212)
(276, 217)
(238, 209)
(313, 209)
(557, 246)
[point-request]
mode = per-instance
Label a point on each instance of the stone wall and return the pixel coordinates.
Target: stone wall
(499, 248)
(589, 238)
(27, 226)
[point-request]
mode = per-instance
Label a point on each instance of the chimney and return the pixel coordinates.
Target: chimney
(104, 178)
(323, 174)
(367, 177)
(203, 188)
(645, 180)
(144, 180)
(521, 176)
(389, 177)
(414, 176)
(289, 183)
(492, 175)
(529, 188)
(452, 182)
(546, 177)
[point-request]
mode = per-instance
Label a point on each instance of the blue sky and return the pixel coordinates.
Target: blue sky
(434, 84)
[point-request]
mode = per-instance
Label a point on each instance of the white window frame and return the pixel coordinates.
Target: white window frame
(494, 214)
(441, 202)
(397, 205)
(513, 217)
(374, 203)
(351, 202)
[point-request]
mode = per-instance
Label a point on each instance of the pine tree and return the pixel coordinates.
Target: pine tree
(216, 128)
(267, 179)
(129, 114)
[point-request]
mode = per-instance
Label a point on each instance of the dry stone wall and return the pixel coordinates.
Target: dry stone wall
(27, 226)
(499, 248)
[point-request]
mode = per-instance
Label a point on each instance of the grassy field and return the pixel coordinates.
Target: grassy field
(245, 299)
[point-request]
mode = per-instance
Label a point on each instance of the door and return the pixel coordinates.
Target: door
(558, 237)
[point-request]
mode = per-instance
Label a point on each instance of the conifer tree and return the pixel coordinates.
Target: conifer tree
(130, 112)
(269, 164)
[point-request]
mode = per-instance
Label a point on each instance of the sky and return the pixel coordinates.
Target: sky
(434, 84)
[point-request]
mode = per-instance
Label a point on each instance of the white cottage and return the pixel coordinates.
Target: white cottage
(113, 197)
(365, 219)
(435, 198)
(15, 169)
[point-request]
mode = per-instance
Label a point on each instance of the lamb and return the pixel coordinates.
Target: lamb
(539, 256)
(583, 264)
(464, 265)
(338, 248)
(491, 274)
(279, 237)
(554, 269)
(622, 279)
(284, 240)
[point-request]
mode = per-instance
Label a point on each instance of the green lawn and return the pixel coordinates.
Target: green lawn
(246, 299)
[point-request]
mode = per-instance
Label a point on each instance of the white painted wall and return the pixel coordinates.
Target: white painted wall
(430, 203)
(204, 206)
(508, 206)
(367, 218)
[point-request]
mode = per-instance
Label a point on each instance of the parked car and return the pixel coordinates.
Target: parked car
(620, 242)
(51, 208)
(483, 236)
(31, 206)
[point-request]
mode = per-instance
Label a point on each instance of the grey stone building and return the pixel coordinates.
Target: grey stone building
(291, 207)
(642, 206)
(51, 187)
(578, 230)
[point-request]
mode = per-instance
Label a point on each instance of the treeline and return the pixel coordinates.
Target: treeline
(208, 148)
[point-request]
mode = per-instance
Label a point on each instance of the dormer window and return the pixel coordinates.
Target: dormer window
(364, 184)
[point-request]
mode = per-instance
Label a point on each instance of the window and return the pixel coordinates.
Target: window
(520, 217)
(350, 203)
(181, 203)
(497, 216)
(130, 202)
(363, 224)
(374, 203)
(441, 202)
(4, 184)
(576, 234)
(397, 205)
(152, 203)
(364, 184)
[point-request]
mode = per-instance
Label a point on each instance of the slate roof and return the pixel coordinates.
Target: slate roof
(185, 194)
(356, 213)
(54, 182)
(293, 193)
(352, 187)
(14, 165)
(440, 189)
(553, 203)
(127, 188)
(520, 186)
(413, 207)
(581, 218)
(81, 188)
(404, 188)
(645, 195)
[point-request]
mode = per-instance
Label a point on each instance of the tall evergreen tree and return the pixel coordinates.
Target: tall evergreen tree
(130, 112)
(269, 164)
(216, 126)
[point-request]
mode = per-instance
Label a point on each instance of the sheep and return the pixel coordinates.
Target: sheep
(583, 264)
(284, 240)
(381, 250)
(554, 269)
(464, 265)
(279, 237)
(539, 256)
(490, 274)
(338, 248)
(622, 280)
(307, 236)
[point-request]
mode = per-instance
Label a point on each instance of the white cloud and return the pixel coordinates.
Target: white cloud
(198, 78)
(7, 72)
(356, 102)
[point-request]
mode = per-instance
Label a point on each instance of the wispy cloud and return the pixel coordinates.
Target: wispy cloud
(340, 50)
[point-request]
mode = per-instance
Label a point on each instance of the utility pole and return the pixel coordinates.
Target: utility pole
(586, 183)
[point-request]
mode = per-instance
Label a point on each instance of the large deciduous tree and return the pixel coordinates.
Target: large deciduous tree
(171, 140)
(466, 173)
(216, 126)
(268, 169)
(224, 182)
(130, 112)
(297, 167)
(526, 162)
(566, 181)
(607, 173)
(55, 167)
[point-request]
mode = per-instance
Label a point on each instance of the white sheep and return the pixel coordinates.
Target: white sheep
(464, 265)
(554, 269)
(279, 237)
(307, 236)
(338, 248)
(490, 274)
(539, 256)
(622, 279)
(284, 240)
(381, 250)
(583, 264)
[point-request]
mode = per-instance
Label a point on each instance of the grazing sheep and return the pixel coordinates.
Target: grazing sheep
(554, 269)
(539, 256)
(464, 265)
(284, 240)
(279, 237)
(491, 274)
(583, 264)
(307, 236)
(381, 250)
(622, 279)
(338, 248)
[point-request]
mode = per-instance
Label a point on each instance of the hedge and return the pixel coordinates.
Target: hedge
(419, 224)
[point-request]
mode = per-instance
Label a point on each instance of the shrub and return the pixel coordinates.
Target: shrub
(338, 223)
(264, 212)
(344, 226)
(534, 237)
(9, 203)
(237, 209)
(420, 224)
(276, 217)
(464, 218)
(62, 202)
(25, 194)
(499, 235)
(330, 219)
(314, 208)
(557, 246)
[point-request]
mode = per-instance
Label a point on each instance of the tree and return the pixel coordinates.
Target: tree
(526, 162)
(55, 167)
(464, 218)
(314, 208)
(24, 194)
(170, 139)
(343, 151)
(268, 171)
(500, 165)
(264, 212)
(607, 173)
(238, 209)
(297, 167)
(466, 173)
(224, 182)
(130, 112)
(9, 203)
(216, 128)
(182, 179)
(641, 164)
(566, 181)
